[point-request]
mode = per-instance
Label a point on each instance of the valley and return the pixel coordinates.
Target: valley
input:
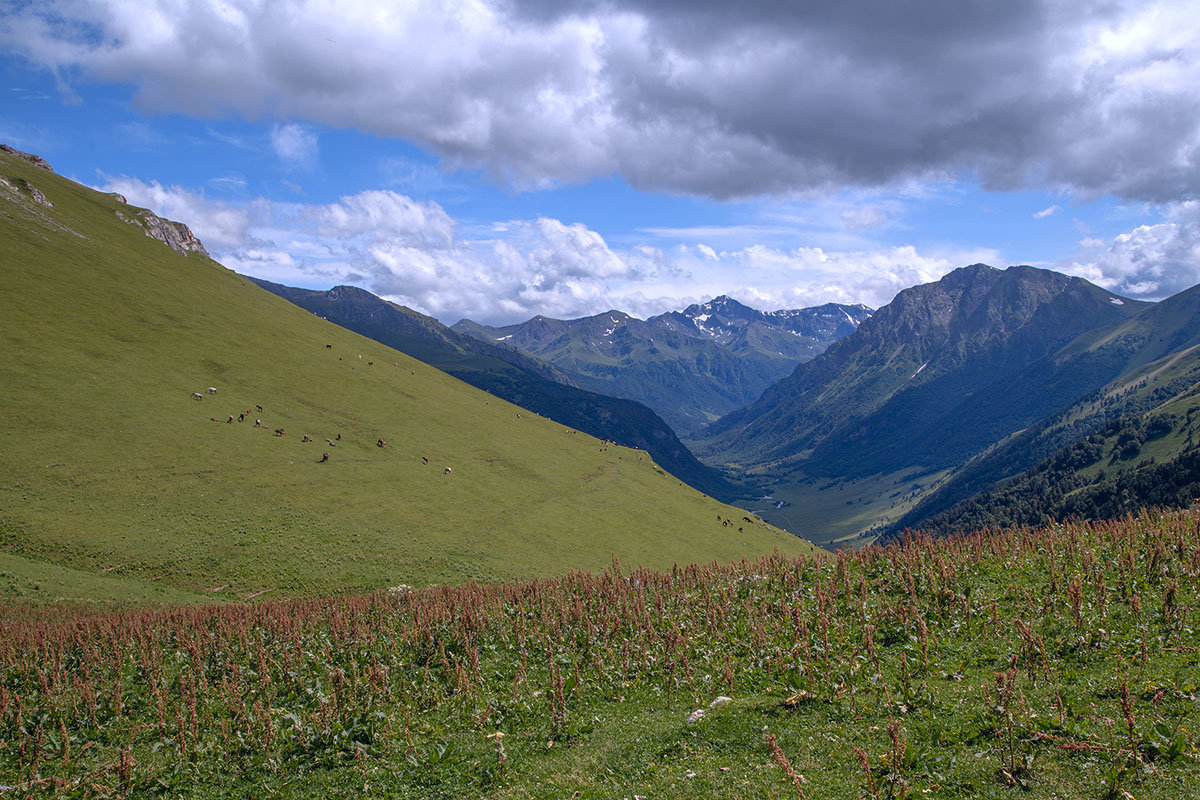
(846, 513)
(254, 550)
(512, 400)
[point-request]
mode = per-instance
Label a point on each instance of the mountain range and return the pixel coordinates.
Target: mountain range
(690, 366)
(953, 388)
(913, 416)
(1144, 374)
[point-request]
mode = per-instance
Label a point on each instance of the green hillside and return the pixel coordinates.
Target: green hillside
(111, 468)
(1132, 445)
(509, 373)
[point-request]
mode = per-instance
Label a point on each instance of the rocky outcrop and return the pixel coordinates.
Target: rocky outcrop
(35, 194)
(37, 161)
(175, 235)
(21, 187)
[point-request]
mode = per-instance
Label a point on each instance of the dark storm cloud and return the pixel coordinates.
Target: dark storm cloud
(708, 98)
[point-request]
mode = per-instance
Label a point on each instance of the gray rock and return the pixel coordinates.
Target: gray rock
(34, 193)
(37, 161)
(175, 235)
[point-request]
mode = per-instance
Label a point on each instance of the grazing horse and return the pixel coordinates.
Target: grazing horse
(197, 396)
(324, 457)
(279, 431)
(212, 390)
(259, 408)
(424, 460)
(448, 471)
(381, 443)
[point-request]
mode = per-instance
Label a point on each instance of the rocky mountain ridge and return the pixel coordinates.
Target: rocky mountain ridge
(922, 382)
(689, 366)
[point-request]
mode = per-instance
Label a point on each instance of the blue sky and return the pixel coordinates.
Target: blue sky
(500, 160)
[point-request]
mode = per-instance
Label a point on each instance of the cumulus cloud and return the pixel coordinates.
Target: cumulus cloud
(415, 253)
(383, 215)
(702, 97)
(1149, 262)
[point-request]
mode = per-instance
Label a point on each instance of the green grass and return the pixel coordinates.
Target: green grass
(111, 468)
(1052, 665)
(23, 578)
(840, 512)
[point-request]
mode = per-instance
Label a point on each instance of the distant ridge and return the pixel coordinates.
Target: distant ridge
(1141, 418)
(690, 366)
(866, 433)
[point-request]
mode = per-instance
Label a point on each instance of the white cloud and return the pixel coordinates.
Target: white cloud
(1150, 261)
(1046, 212)
(383, 215)
(414, 253)
(295, 145)
(861, 218)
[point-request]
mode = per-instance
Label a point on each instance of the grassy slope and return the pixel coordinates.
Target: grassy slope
(108, 462)
(509, 373)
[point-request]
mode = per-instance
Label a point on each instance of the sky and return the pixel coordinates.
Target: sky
(498, 160)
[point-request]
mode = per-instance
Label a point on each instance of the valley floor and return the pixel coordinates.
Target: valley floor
(836, 513)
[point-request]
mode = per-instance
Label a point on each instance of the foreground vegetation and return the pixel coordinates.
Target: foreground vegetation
(1051, 664)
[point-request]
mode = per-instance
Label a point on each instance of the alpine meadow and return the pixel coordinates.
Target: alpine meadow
(620, 400)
